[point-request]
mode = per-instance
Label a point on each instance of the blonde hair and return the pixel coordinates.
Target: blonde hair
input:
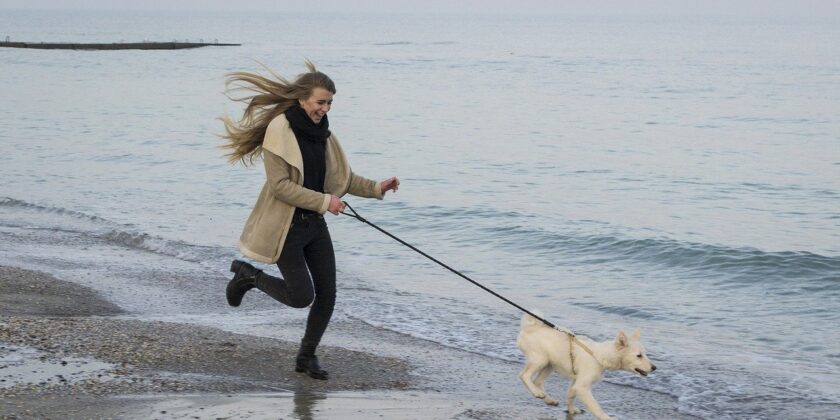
(266, 98)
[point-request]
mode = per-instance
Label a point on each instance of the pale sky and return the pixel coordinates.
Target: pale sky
(823, 8)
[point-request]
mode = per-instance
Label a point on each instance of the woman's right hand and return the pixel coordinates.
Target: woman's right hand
(390, 184)
(336, 205)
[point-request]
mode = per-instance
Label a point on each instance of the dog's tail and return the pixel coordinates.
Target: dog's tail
(528, 322)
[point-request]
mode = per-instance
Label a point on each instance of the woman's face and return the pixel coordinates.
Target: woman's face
(318, 104)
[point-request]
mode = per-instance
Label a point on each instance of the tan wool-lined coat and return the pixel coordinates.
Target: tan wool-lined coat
(265, 231)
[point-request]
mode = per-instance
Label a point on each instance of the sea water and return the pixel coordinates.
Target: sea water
(678, 175)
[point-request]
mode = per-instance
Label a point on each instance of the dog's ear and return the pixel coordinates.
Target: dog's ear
(636, 334)
(621, 340)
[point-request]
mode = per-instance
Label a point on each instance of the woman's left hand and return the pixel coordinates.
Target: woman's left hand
(389, 184)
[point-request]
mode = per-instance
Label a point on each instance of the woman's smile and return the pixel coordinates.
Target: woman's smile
(318, 104)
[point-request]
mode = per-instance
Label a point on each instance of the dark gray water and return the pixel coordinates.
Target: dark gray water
(680, 176)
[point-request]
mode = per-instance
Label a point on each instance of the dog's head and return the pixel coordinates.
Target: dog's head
(633, 357)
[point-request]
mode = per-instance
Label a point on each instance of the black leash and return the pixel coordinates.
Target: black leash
(362, 219)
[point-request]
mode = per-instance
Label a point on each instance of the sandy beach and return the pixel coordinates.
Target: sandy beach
(67, 353)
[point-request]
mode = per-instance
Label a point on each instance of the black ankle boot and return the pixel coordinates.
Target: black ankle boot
(309, 364)
(244, 279)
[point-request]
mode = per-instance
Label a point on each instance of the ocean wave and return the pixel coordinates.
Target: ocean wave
(730, 265)
(173, 248)
(14, 203)
(741, 264)
(103, 229)
(646, 313)
(393, 43)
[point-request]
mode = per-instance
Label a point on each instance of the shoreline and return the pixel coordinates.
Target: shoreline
(64, 349)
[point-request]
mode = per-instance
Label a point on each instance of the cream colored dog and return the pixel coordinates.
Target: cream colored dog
(547, 350)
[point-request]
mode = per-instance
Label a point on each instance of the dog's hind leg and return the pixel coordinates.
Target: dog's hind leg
(532, 366)
(542, 375)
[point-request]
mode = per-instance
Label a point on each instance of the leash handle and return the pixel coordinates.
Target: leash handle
(358, 217)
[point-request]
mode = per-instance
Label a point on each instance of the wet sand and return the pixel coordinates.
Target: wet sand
(67, 353)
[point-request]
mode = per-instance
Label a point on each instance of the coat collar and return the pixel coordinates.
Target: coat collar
(280, 140)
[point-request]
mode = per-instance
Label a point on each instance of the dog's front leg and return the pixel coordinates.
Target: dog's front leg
(570, 400)
(584, 394)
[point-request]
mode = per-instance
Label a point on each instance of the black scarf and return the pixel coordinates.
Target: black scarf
(312, 141)
(303, 126)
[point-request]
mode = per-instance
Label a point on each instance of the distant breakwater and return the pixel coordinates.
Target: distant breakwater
(113, 45)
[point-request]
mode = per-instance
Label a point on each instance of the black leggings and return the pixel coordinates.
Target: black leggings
(308, 250)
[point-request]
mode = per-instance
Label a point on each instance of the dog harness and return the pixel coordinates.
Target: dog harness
(572, 341)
